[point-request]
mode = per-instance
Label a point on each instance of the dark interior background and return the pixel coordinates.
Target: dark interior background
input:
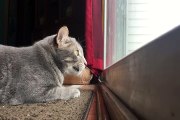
(23, 22)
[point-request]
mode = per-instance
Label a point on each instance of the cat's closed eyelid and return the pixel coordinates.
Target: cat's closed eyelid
(68, 59)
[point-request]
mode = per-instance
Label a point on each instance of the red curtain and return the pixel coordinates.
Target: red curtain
(94, 35)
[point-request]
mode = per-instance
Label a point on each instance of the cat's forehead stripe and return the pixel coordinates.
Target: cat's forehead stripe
(77, 44)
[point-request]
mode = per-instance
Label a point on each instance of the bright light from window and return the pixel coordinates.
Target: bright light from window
(164, 15)
(130, 24)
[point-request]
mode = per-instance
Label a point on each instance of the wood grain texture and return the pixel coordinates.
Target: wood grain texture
(92, 115)
(148, 80)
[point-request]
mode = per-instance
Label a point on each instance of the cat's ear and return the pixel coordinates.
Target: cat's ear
(63, 32)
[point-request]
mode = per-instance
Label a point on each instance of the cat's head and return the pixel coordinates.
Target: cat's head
(71, 52)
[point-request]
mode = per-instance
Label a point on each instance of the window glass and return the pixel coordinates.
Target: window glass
(116, 25)
(130, 24)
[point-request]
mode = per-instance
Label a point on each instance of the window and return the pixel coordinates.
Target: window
(130, 24)
(115, 30)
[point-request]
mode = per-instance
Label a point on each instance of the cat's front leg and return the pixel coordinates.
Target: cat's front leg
(63, 93)
(69, 92)
(73, 93)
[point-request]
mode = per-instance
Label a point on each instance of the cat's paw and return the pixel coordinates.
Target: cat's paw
(76, 93)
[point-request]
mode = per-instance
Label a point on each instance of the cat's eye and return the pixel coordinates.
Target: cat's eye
(67, 42)
(76, 52)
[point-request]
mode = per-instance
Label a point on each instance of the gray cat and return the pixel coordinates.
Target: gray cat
(36, 73)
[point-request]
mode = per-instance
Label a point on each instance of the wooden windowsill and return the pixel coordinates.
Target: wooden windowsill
(97, 110)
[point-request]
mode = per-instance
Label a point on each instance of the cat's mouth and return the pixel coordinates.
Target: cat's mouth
(79, 68)
(76, 68)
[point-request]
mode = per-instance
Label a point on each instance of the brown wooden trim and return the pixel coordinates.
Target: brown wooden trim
(148, 80)
(92, 115)
(116, 109)
(97, 110)
(92, 110)
(102, 113)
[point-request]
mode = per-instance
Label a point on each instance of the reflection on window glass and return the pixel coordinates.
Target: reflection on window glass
(133, 23)
(116, 24)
